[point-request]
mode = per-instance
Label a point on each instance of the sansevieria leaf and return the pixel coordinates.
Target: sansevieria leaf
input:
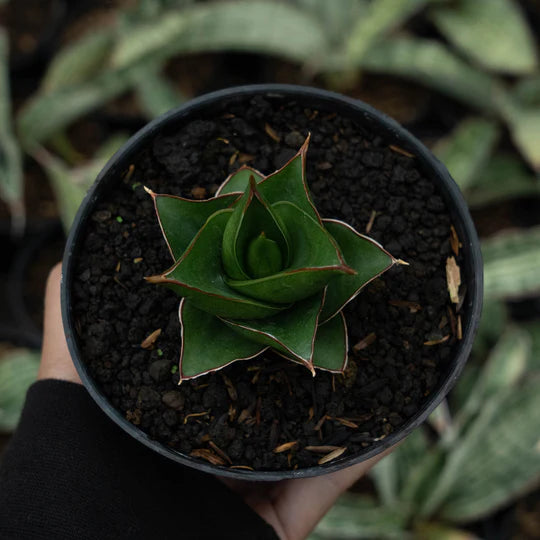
(208, 344)
(368, 258)
(316, 259)
(198, 275)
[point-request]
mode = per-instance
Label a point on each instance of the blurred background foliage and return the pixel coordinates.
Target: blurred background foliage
(77, 78)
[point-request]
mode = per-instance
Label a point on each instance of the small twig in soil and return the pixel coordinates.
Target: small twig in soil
(399, 150)
(459, 330)
(344, 422)
(151, 339)
(284, 447)
(231, 390)
(129, 173)
(219, 451)
(372, 217)
(244, 158)
(364, 343)
(453, 279)
(321, 449)
(414, 307)
(319, 424)
(207, 455)
(195, 415)
(432, 342)
(455, 244)
(272, 133)
(332, 455)
(243, 467)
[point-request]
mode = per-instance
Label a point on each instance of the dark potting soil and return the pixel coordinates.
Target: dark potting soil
(401, 327)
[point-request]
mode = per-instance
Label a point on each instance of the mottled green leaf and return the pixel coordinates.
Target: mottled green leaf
(251, 216)
(381, 16)
(238, 181)
(337, 18)
(475, 27)
(467, 149)
(524, 124)
(11, 173)
(526, 91)
(68, 193)
(362, 254)
(439, 531)
(504, 176)
(331, 345)
(533, 330)
(265, 27)
(497, 460)
(385, 476)
(208, 344)
(356, 516)
(79, 62)
(181, 219)
(430, 63)
(511, 262)
(315, 261)
(46, 114)
(198, 275)
(18, 370)
(156, 94)
(292, 332)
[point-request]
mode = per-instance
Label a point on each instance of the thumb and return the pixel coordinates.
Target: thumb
(56, 361)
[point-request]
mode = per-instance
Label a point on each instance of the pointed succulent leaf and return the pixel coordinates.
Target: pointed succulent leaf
(251, 217)
(331, 345)
(292, 332)
(198, 275)
(289, 184)
(208, 344)
(264, 257)
(238, 181)
(366, 256)
(181, 219)
(316, 260)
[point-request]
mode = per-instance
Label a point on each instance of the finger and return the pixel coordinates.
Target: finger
(56, 361)
(300, 504)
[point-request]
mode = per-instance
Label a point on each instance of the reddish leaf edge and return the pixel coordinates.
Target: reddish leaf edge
(206, 372)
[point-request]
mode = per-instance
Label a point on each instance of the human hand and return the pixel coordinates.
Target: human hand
(56, 361)
(294, 507)
(291, 507)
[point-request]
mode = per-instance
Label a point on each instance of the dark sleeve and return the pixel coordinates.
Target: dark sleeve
(70, 473)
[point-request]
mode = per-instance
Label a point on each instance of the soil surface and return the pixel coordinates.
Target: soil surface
(401, 331)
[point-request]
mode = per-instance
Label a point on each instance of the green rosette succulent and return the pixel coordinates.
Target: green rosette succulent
(258, 268)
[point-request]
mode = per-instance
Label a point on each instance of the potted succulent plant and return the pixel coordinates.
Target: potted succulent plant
(282, 267)
(259, 268)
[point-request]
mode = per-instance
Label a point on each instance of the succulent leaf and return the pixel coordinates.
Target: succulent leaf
(292, 332)
(238, 181)
(263, 257)
(181, 219)
(316, 260)
(251, 217)
(198, 275)
(289, 184)
(366, 256)
(285, 184)
(331, 345)
(208, 344)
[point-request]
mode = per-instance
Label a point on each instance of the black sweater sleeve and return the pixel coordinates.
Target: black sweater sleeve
(70, 473)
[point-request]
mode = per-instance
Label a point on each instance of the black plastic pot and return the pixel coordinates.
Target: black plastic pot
(373, 120)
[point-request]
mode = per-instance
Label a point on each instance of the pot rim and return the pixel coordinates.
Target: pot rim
(449, 190)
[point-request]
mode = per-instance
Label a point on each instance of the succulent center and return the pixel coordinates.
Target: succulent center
(263, 257)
